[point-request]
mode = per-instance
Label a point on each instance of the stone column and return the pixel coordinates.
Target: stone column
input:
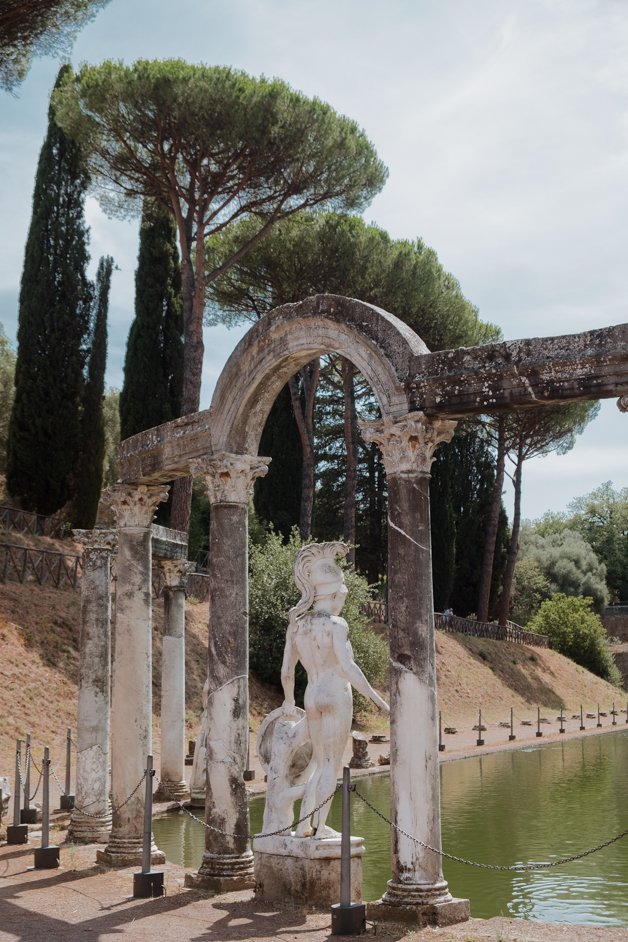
(131, 694)
(228, 861)
(417, 892)
(90, 821)
(172, 785)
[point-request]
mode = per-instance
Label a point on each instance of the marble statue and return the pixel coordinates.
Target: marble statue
(302, 751)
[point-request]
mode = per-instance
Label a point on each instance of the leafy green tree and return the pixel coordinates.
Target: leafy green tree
(54, 315)
(30, 28)
(530, 589)
(602, 519)
(568, 563)
(577, 632)
(272, 592)
(89, 473)
(213, 145)
(7, 389)
(155, 344)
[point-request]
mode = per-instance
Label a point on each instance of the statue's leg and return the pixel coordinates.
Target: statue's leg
(334, 729)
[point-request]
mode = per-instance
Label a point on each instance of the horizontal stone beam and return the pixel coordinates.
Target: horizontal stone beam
(521, 373)
(168, 544)
(163, 453)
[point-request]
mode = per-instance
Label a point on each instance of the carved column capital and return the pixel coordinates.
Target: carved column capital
(176, 572)
(134, 505)
(408, 443)
(229, 478)
(622, 403)
(96, 542)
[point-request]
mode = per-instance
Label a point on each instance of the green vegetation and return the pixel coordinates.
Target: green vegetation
(577, 632)
(7, 390)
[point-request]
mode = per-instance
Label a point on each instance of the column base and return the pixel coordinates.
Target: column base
(127, 852)
(172, 791)
(418, 905)
(88, 830)
(223, 873)
(197, 800)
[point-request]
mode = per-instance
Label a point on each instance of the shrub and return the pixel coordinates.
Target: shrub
(272, 592)
(577, 632)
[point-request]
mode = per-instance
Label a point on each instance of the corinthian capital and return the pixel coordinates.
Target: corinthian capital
(408, 443)
(176, 572)
(134, 505)
(228, 477)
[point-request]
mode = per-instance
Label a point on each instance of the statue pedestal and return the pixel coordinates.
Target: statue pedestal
(304, 871)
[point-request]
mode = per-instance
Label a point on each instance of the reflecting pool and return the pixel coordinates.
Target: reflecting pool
(536, 804)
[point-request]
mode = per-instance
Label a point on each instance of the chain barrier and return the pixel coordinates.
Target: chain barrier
(516, 868)
(18, 763)
(34, 795)
(114, 808)
(210, 827)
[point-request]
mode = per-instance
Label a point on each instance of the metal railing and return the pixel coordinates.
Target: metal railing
(480, 629)
(45, 567)
(22, 521)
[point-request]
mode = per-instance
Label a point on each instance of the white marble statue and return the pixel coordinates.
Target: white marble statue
(319, 638)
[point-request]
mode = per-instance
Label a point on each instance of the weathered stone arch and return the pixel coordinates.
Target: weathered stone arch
(377, 343)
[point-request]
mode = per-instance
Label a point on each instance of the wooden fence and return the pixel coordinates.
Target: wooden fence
(45, 567)
(21, 521)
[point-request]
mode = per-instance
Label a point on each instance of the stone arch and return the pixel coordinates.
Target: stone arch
(379, 344)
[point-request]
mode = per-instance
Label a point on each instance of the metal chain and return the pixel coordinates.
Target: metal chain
(517, 868)
(114, 809)
(18, 757)
(210, 827)
(34, 795)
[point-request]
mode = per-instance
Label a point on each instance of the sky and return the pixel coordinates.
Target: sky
(504, 126)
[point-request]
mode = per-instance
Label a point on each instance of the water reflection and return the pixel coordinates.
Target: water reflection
(537, 804)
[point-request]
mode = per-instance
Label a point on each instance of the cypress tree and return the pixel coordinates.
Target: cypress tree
(277, 496)
(54, 310)
(153, 368)
(88, 481)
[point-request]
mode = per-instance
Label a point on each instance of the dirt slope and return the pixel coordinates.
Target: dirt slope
(39, 636)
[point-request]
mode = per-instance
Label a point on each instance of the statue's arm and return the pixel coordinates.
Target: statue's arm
(350, 670)
(290, 658)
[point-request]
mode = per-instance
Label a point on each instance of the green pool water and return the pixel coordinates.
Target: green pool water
(535, 804)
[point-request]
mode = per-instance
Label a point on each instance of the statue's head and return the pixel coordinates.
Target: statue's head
(320, 578)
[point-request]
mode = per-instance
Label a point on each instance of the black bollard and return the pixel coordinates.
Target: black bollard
(538, 722)
(67, 800)
(480, 741)
(599, 721)
(17, 833)
(347, 918)
(46, 856)
(512, 737)
(562, 722)
(28, 815)
(148, 882)
(581, 719)
(249, 773)
(614, 712)
(441, 744)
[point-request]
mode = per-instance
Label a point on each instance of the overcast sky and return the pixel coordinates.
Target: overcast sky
(504, 125)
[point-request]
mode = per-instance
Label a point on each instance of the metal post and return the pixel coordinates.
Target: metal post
(148, 882)
(538, 722)
(562, 722)
(17, 833)
(614, 716)
(347, 918)
(479, 741)
(46, 856)
(581, 718)
(67, 799)
(441, 744)
(249, 773)
(512, 736)
(28, 815)
(599, 722)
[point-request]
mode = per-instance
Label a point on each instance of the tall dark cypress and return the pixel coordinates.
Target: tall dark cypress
(54, 310)
(153, 368)
(88, 480)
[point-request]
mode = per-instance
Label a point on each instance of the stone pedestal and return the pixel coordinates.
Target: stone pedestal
(131, 700)
(90, 821)
(417, 891)
(227, 862)
(303, 871)
(173, 786)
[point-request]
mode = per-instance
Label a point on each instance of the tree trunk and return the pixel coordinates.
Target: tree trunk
(304, 417)
(513, 546)
(350, 436)
(492, 524)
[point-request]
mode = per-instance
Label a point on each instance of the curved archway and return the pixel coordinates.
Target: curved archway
(378, 344)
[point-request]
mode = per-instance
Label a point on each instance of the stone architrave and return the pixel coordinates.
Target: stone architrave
(227, 861)
(417, 890)
(90, 821)
(131, 695)
(172, 786)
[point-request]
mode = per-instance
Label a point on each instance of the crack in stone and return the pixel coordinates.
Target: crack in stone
(407, 535)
